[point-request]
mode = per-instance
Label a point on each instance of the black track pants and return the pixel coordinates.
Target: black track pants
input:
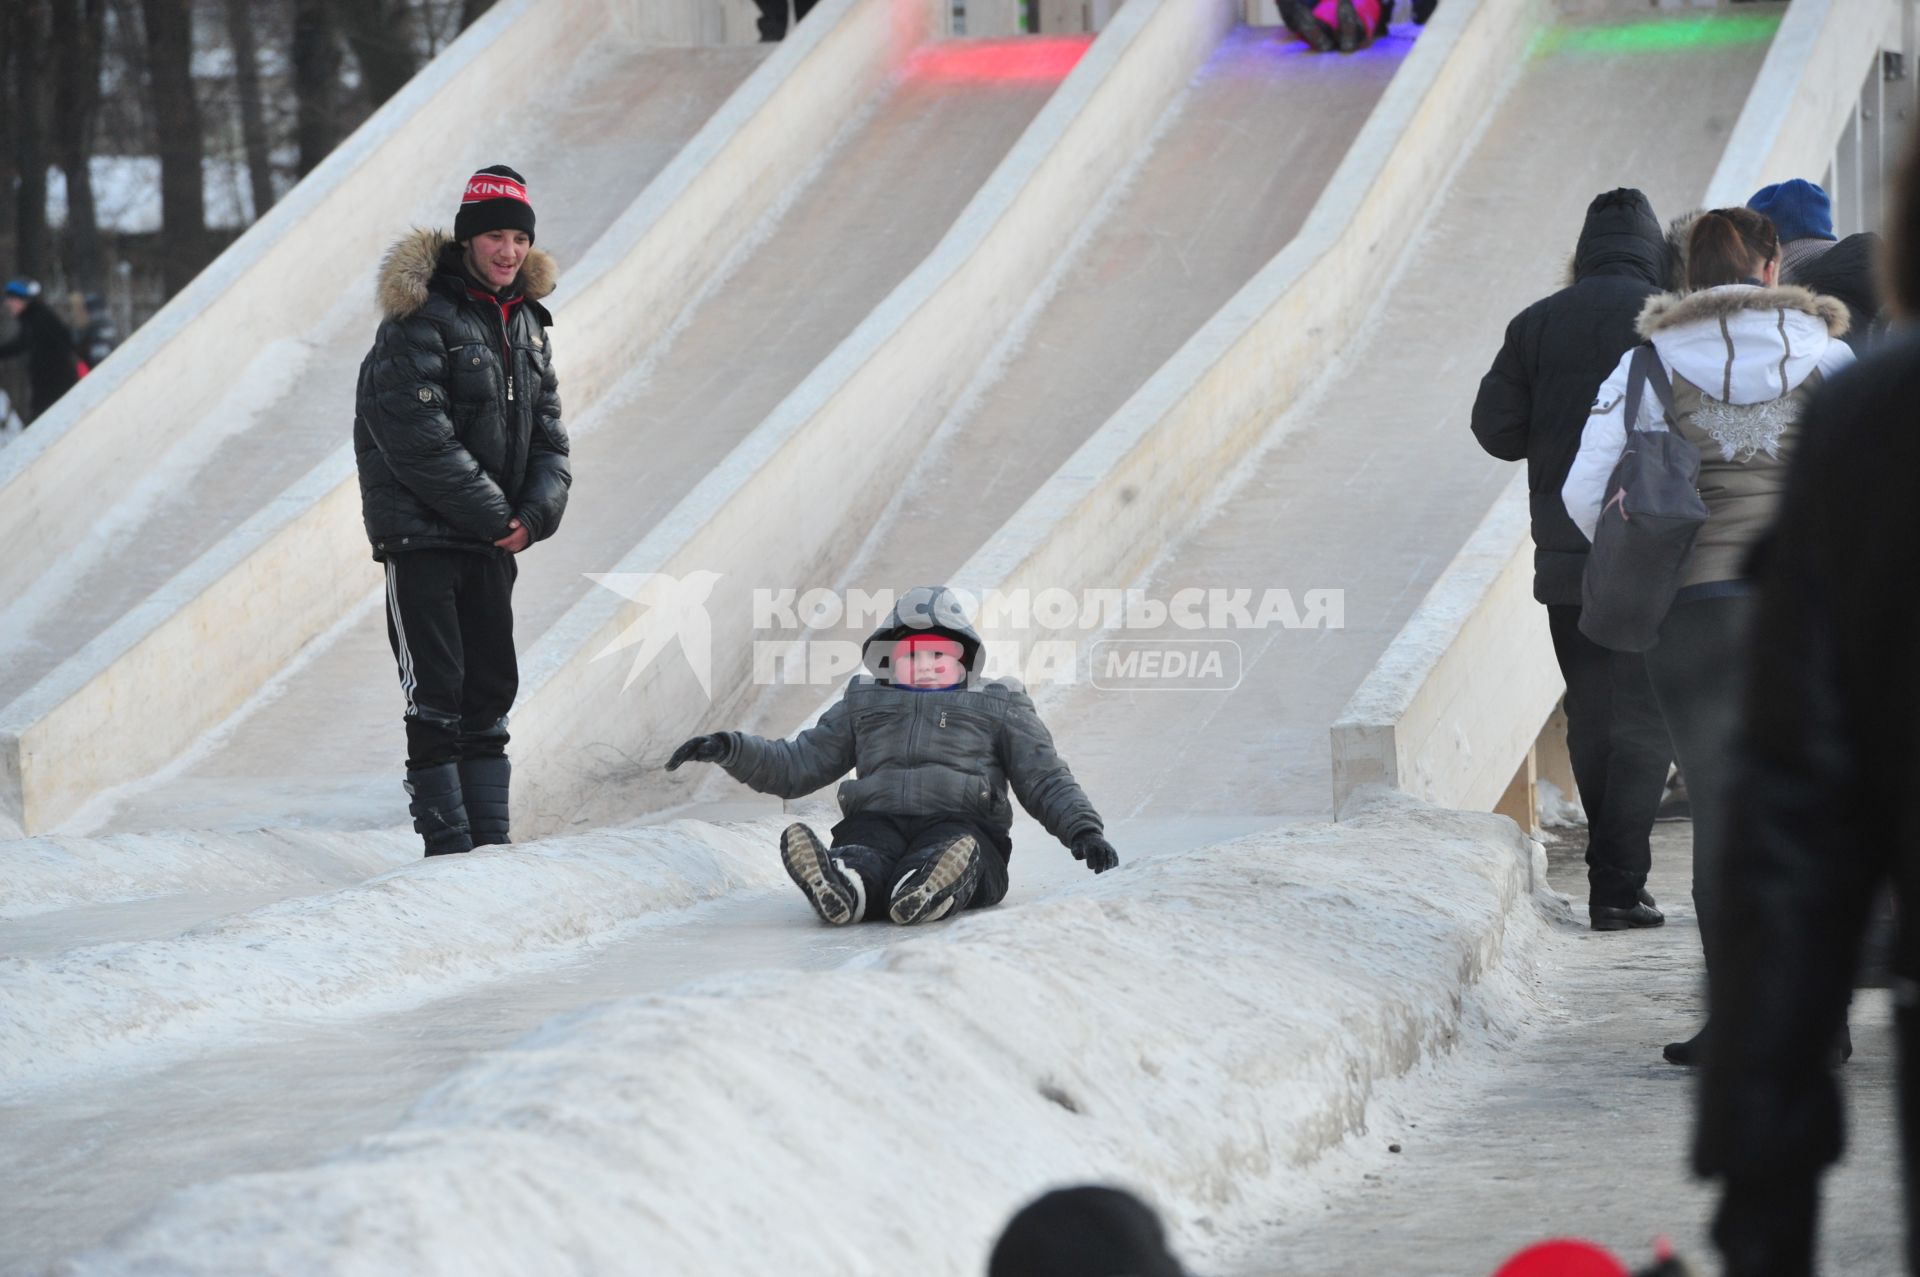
(450, 621)
(885, 850)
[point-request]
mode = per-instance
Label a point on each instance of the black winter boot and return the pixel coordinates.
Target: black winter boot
(1350, 34)
(942, 886)
(837, 894)
(439, 817)
(484, 783)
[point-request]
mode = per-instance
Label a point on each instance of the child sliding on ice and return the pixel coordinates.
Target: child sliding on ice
(927, 827)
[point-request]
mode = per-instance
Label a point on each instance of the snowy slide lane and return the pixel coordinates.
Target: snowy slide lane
(1372, 482)
(589, 151)
(877, 202)
(1204, 1025)
(397, 939)
(1225, 186)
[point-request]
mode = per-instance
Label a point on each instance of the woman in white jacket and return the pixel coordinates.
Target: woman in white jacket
(1744, 354)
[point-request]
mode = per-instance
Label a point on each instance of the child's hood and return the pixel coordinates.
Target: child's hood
(925, 609)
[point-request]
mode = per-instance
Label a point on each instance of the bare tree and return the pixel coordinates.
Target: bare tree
(79, 27)
(470, 11)
(246, 83)
(380, 33)
(316, 81)
(176, 116)
(26, 36)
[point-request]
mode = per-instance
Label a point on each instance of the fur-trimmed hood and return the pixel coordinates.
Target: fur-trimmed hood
(407, 271)
(1742, 344)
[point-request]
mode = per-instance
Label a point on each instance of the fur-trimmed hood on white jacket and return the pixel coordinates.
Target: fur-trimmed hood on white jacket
(1742, 344)
(1739, 343)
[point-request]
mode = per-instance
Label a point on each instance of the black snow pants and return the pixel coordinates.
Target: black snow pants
(1617, 740)
(450, 621)
(884, 850)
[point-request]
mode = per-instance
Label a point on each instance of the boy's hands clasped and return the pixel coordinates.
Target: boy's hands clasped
(701, 749)
(1093, 847)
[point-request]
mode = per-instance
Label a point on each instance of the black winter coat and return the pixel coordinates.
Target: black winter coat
(52, 363)
(457, 415)
(1533, 402)
(1850, 271)
(1823, 811)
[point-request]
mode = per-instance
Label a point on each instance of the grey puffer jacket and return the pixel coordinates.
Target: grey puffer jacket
(924, 753)
(457, 413)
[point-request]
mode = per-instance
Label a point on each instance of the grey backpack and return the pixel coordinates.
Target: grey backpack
(1652, 513)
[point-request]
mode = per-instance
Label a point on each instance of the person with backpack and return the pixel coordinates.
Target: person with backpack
(53, 365)
(1741, 355)
(1532, 406)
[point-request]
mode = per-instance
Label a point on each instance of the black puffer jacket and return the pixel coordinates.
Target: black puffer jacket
(1533, 402)
(52, 362)
(1822, 812)
(1850, 271)
(926, 753)
(457, 417)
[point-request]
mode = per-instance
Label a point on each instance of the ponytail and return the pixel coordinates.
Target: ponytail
(1729, 246)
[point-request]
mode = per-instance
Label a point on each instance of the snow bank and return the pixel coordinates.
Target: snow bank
(38, 875)
(1201, 1026)
(391, 940)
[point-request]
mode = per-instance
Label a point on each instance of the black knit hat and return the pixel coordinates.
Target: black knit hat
(495, 200)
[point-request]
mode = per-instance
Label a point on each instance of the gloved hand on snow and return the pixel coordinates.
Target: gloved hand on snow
(1093, 847)
(701, 749)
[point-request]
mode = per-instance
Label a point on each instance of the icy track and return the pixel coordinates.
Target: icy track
(1205, 1023)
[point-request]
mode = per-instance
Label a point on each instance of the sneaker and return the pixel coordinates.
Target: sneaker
(1612, 918)
(931, 892)
(1351, 34)
(837, 895)
(1298, 15)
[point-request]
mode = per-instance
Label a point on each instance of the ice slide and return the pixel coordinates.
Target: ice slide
(841, 162)
(360, 1070)
(189, 434)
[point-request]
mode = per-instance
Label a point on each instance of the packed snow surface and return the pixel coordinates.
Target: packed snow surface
(400, 936)
(1207, 1023)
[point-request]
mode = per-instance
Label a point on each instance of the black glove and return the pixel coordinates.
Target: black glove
(1093, 847)
(701, 749)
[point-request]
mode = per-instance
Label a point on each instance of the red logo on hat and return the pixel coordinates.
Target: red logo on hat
(490, 186)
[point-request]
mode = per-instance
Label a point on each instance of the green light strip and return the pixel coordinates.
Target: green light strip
(1661, 35)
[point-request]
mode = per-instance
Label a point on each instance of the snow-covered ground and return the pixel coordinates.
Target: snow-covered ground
(1205, 1024)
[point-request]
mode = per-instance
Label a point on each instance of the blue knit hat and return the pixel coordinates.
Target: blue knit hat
(1798, 209)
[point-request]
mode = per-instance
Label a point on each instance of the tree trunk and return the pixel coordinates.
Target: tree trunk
(380, 34)
(316, 81)
(27, 37)
(253, 123)
(176, 118)
(78, 29)
(470, 11)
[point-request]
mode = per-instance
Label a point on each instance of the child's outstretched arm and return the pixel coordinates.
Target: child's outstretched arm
(1045, 786)
(785, 768)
